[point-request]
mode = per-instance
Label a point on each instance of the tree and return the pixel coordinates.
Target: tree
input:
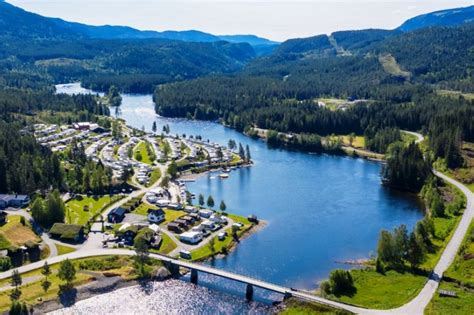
(212, 243)
(351, 138)
(241, 151)
(385, 247)
(37, 209)
(400, 238)
(231, 144)
(341, 282)
(201, 200)
(141, 257)
(67, 272)
(210, 202)
(18, 308)
(138, 156)
(415, 251)
(223, 206)
(153, 127)
(46, 272)
(173, 170)
(16, 282)
(437, 205)
(248, 157)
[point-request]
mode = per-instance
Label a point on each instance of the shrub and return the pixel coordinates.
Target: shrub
(5, 263)
(341, 282)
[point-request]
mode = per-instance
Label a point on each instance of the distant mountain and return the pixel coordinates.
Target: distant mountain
(450, 17)
(18, 22)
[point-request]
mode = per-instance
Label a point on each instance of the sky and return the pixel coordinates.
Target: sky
(274, 19)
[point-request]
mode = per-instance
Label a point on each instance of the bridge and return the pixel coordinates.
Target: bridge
(194, 268)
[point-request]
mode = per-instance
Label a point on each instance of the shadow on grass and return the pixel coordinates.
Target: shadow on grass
(67, 295)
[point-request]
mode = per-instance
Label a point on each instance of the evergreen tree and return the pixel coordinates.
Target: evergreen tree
(67, 272)
(222, 206)
(210, 202)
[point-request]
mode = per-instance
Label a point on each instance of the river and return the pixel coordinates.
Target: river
(320, 209)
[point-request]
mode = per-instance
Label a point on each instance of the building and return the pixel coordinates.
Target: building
(156, 215)
(18, 201)
(67, 232)
(191, 237)
(116, 215)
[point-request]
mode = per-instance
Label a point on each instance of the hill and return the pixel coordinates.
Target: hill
(450, 17)
(18, 22)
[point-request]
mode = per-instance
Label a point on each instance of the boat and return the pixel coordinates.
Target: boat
(224, 175)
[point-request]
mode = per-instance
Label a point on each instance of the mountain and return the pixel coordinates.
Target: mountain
(450, 17)
(18, 22)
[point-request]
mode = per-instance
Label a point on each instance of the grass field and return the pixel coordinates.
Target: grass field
(62, 249)
(167, 245)
(391, 66)
(13, 233)
(358, 141)
(31, 292)
(297, 307)
(469, 96)
(75, 213)
(463, 304)
(375, 290)
(142, 148)
(154, 176)
(462, 271)
(205, 251)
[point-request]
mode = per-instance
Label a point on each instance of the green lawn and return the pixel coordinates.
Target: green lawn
(463, 304)
(155, 176)
(167, 245)
(297, 307)
(15, 233)
(62, 249)
(170, 215)
(142, 148)
(378, 291)
(205, 251)
(75, 213)
(358, 141)
(462, 269)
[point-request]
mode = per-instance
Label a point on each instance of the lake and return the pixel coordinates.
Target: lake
(320, 209)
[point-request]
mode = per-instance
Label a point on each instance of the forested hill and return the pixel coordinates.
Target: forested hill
(396, 76)
(18, 22)
(451, 17)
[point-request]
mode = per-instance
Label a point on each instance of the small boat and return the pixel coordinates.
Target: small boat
(224, 175)
(226, 170)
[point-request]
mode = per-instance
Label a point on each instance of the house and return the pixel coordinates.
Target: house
(67, 232)
(3, 217)
(206, 213)
(174, 227)
(116, 215)
(19, 201)
(156, 215)
(191, 237)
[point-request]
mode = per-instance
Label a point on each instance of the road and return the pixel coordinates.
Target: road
(415, 306)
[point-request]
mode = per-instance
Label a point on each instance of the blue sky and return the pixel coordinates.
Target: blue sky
(277, 19)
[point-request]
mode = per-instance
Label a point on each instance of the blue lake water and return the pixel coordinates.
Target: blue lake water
(320, 209)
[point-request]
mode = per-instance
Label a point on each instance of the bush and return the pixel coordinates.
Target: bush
(325, 288)
(379, 266)
(5, 263)
(341, 282)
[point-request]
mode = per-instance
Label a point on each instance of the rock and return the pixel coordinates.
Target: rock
(161, 274)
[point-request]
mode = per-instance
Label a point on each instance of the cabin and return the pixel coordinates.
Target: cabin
(71, 233)
(116, 215)
(17, 201)
(191, 237)
(253, 218)
(173, 227)
(156, 215)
